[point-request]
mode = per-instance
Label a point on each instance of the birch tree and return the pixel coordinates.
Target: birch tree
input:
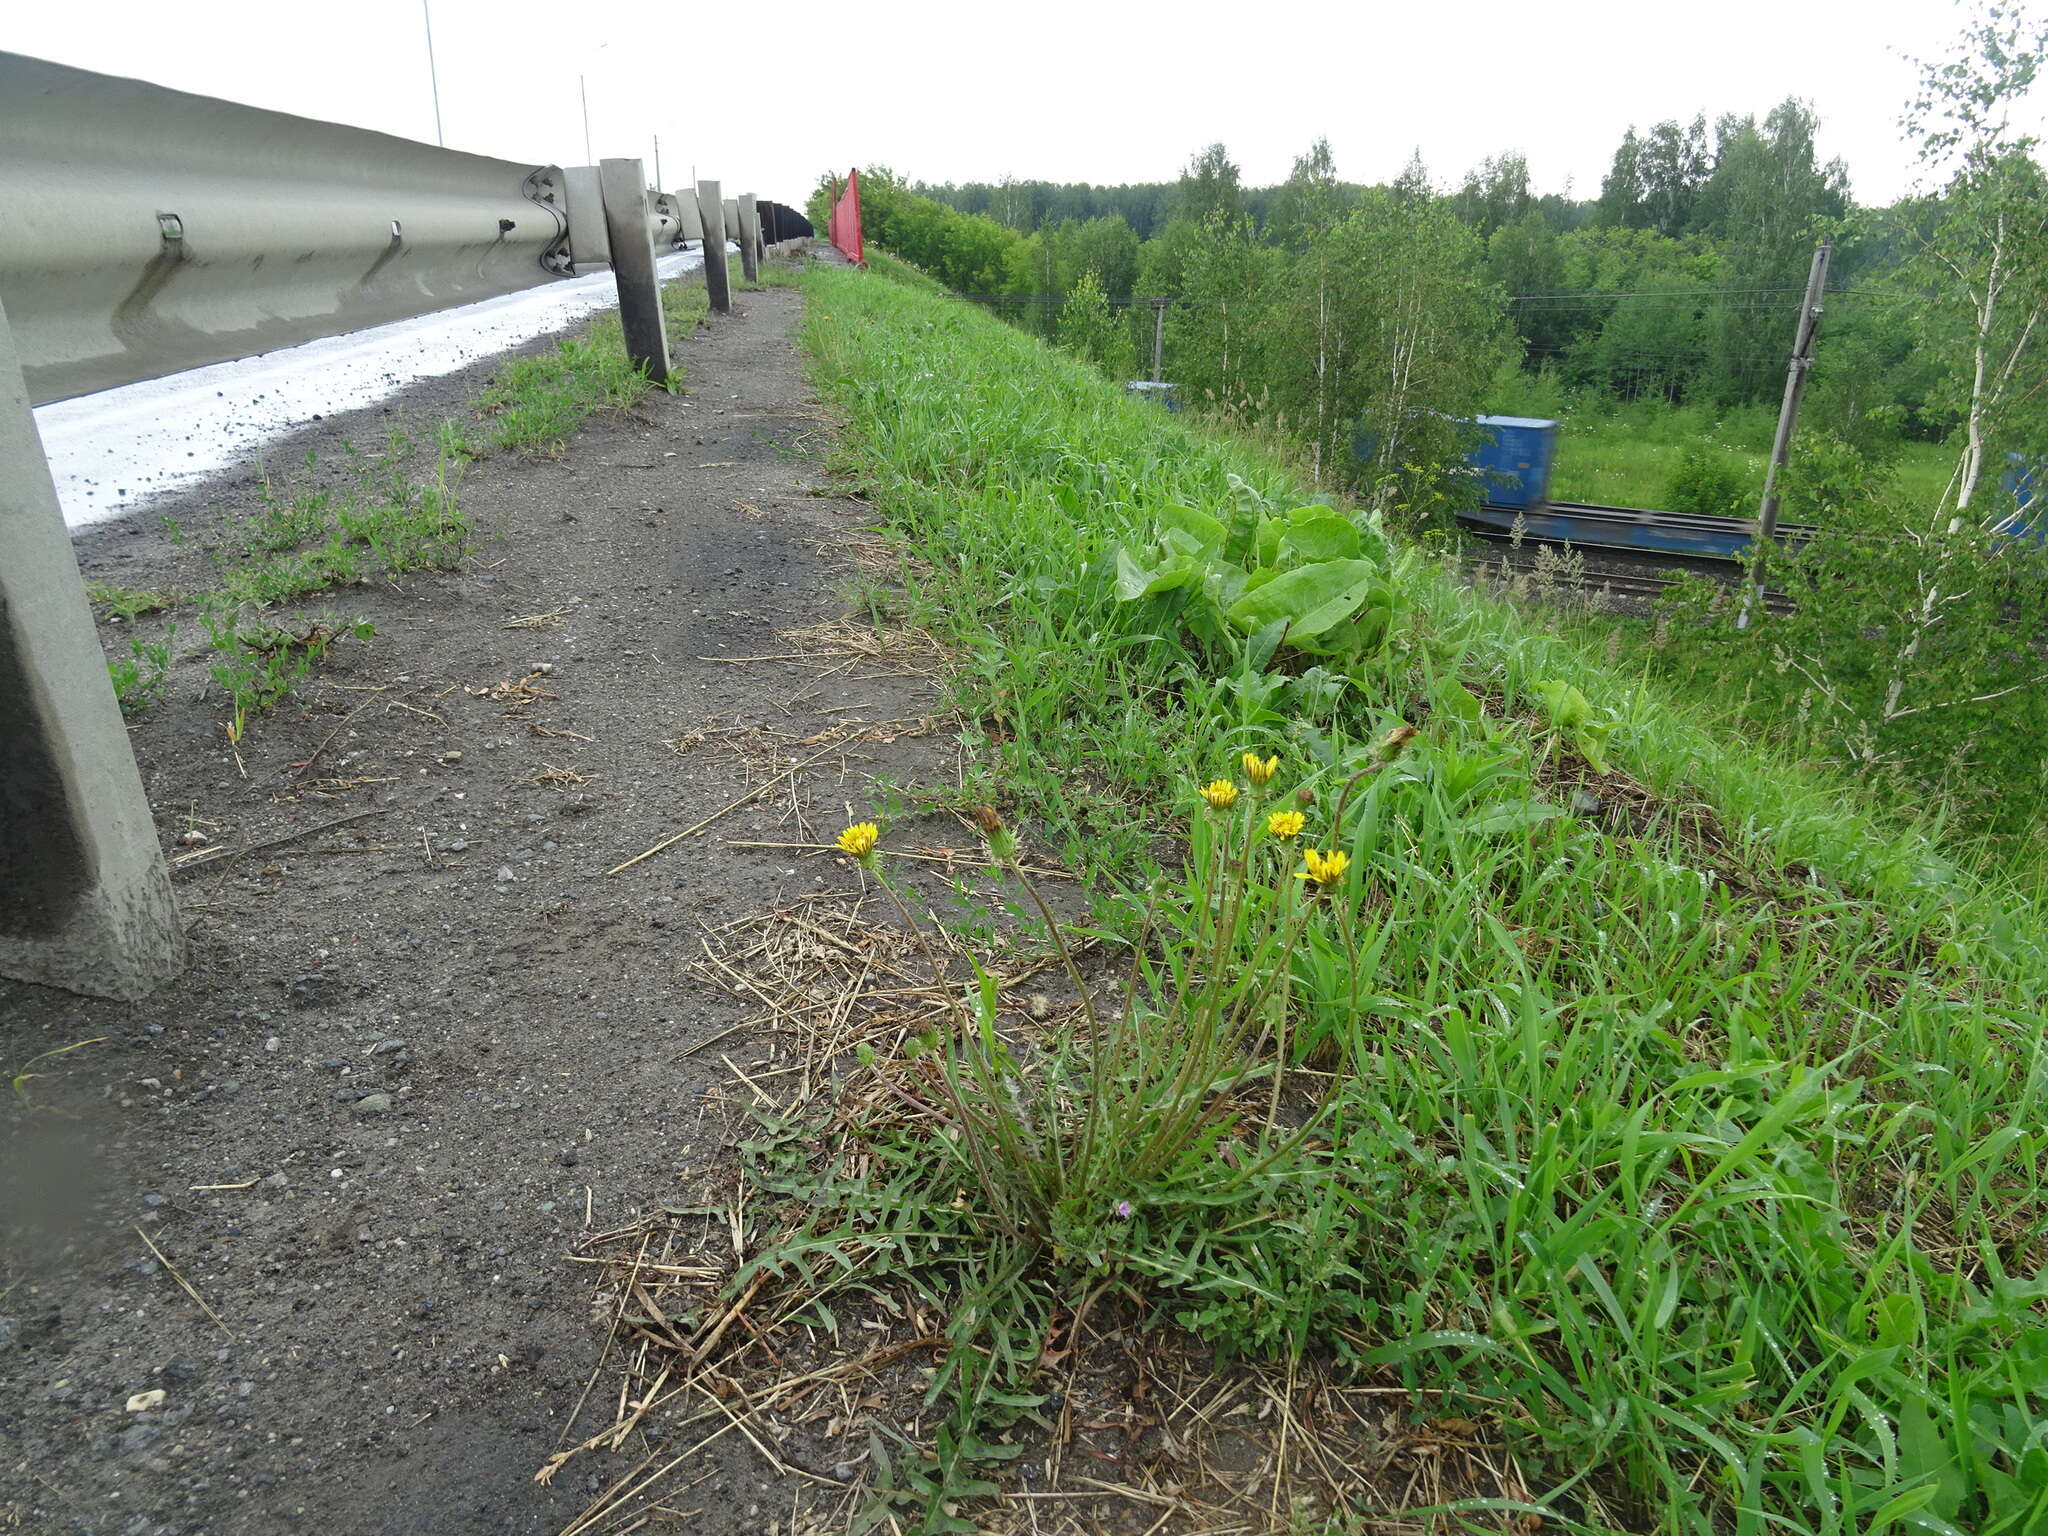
(1985, 262)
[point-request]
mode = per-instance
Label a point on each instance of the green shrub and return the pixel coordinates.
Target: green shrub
(1707, 482)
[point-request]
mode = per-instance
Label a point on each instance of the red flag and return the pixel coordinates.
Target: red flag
(844, 226)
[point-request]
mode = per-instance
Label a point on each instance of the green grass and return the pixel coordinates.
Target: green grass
(685, 305)
(536, 402)
(883, 264)
(130, 602)
(1698, 1138)
(1626, 454)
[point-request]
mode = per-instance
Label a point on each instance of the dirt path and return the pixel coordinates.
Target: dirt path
(419, 1053)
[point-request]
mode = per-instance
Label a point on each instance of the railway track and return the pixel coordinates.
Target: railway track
(1505, 562)
(1624, 551)
(1681, 540)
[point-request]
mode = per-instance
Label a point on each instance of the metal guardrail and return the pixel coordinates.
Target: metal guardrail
(144, 231)
(147, 230)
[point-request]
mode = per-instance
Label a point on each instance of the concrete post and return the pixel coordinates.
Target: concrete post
(712, 212)
(631, 234)
(85, 901)
(750, 238)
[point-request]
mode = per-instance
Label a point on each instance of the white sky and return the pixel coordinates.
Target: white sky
(765, 97)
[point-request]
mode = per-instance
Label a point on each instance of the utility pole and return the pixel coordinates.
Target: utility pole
(1766, 530)
(583, 91)
(657, 163)
(1158, 341)
(433, 75)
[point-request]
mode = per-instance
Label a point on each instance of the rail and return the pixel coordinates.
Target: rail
(1700, 541)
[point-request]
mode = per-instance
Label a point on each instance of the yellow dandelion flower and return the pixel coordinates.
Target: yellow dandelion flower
(1260, 770)
(1324, 868)
(859, 841)
(1285, 824)
(1220, 793)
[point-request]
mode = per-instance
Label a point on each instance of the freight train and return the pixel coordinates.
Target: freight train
(1515, 458)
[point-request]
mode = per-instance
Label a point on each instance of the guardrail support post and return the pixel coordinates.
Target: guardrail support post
(711, 211)
(631, 234)
(85, 901)
(750, 238)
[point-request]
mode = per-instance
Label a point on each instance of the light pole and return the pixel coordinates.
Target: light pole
(433, 75)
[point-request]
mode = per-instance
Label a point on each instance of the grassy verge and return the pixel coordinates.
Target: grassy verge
(1667, 1115)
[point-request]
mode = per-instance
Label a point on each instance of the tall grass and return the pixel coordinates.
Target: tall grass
(1690, 1124)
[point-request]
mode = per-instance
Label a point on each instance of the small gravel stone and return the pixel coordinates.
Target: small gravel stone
(373, 1104)
(136, 1439)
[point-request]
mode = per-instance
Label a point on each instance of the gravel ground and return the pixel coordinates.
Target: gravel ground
(418, 1053)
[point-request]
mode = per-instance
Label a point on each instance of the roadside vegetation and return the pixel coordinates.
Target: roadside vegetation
(1484, 1024)
(1368, 325)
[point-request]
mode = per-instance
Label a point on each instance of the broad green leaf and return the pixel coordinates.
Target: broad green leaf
(1565, 705)
(1266, 546)
(1224, 584)
(1207, 533)
(1453, 698)
(1309, 599)
(1134, 581)
(1321, 538)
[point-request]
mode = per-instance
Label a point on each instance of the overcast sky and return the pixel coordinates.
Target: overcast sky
(765, 97)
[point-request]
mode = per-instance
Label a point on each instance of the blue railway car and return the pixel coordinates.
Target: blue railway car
(1514, 460)
(2025, 480)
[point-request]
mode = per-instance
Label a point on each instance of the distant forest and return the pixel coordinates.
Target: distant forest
(1678, 280)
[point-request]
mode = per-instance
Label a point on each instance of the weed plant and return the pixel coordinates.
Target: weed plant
(130, 603)
(139, 677)
(1684, 1121)
(536, 402)
(685, 305)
